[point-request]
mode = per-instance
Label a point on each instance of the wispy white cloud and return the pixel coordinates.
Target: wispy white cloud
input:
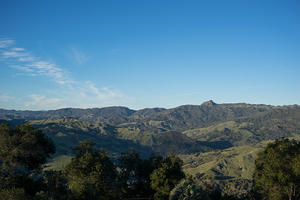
(50, 70)
(77, 55)
(5, 42)
(22, 68)
(17, 49)
(15, 54)
(41, 102)
(103, 93)
(70, 92)
(25, 61)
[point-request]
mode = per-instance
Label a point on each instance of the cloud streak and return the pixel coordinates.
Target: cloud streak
(70, 92)
(41, 102)
(5, 42)
(78, 56)
(25, 61)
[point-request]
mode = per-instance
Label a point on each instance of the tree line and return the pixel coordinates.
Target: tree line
(92, 174)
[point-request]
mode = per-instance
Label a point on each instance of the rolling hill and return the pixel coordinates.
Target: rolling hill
(217, 142)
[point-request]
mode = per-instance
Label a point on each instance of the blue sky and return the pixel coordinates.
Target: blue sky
(157, 53)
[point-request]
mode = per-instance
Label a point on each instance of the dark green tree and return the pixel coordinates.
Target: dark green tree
(13, 194)
(23, 150)
(134, 174)
(166, 177)
(54, 186)
(277, 174)
(24, 147)
(91, 174)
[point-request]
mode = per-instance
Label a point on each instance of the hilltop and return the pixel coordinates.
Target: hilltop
(217, 142)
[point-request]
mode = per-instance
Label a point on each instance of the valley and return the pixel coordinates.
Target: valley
(218, 143)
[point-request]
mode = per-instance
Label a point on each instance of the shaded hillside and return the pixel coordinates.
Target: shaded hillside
(67, 133)
(166, 142)
(179, 118)
(194, 116)
(90, 114)
(272, 124)
(205, 127)
(218, 142)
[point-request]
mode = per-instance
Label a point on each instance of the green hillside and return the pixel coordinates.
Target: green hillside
(67, 133)
(272, 124)
(217, 142)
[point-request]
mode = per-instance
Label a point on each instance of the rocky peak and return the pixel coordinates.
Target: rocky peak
(209, 103)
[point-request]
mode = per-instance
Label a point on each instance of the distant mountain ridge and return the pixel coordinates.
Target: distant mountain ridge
(89, 114)
(194, 127)
(216, 141)
(206, 112)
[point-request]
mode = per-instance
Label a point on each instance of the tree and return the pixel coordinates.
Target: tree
(24, 147)
(165, 178)
(23, 150)
(13, 194)
(134, 174)
(188, 190)
(91, 174)
(54, 186)
(277, 173)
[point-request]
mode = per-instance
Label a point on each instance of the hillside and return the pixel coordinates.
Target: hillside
(272, 124)
(179, 118)
(217, 142)
(187, 128)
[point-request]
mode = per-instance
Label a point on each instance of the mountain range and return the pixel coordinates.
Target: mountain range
(218, 141)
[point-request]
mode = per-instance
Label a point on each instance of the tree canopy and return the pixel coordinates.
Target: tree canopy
(23, 150)
(91, 174)
(24, 146)
(165, 178)
(277, 170)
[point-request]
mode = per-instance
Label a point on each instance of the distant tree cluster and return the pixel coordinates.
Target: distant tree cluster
(92, 175)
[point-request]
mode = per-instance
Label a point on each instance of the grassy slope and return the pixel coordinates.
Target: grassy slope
(272, 124)
(230, 169)
(67, 133)
(234, 162)
(246, 127)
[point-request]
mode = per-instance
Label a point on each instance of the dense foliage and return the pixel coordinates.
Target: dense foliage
(277, 170)
(22, 152)
(218, 144)
(91, 174)
(166, 177)
(24, 146)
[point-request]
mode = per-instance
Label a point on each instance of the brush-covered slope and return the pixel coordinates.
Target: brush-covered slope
(67, 133)
(217, 142)
(179, 118)
(90, 114)
(193, 116)
(205, 127)
(230, 169)
(272, 124)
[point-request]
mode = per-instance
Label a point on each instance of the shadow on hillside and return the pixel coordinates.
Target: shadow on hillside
(64, 144)
(216, 144)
